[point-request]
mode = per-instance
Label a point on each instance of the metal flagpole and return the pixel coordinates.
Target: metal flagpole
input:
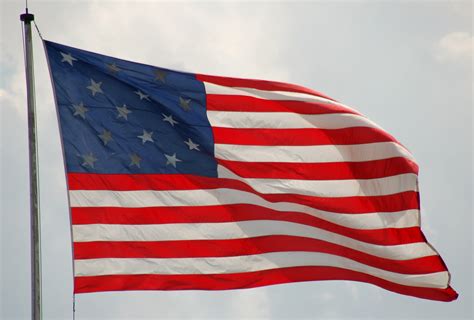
(27, 18)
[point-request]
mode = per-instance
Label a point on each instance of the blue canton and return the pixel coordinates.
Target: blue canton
(122, 117)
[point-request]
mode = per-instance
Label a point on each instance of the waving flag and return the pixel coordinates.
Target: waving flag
(185, 181)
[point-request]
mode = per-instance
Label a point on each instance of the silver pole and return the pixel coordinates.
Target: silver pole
(34, 203)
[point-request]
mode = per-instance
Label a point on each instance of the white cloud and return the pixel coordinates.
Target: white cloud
(461, 8)
(455, 46)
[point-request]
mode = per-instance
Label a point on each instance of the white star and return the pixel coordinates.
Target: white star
(192, 145)
(106, 137)
(142, 95)
(80, 110)
(172, 160)
(89, 160)
(160, 75)
(113, 68)
(68, 58)
(95, 87)
(123, 112)
(169, 119)
(146, 136)
(134, 160)
(184, 103)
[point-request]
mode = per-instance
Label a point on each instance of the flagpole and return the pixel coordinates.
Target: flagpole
(27, 18)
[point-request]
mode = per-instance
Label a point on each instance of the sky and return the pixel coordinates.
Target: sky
(406, 65)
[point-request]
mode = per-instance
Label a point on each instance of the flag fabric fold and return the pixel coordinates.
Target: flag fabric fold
(182, 181)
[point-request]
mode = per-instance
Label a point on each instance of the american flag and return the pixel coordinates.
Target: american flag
(187, 181)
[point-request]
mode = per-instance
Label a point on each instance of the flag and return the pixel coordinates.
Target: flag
(183, 181)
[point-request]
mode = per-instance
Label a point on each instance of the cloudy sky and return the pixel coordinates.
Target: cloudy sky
(406, 65)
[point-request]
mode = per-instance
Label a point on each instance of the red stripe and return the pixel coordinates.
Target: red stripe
(223, 102)
(235, 213)
(300, 137)
(123, 182)
(322, 171)
(258, 84)
(239, 247)
(248, 280)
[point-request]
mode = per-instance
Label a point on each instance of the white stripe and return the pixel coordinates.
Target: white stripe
(248, 263)
(311, 154)
(209, 197)
(286, 120)
(239, 230)
(212, 88)
(328, 188)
